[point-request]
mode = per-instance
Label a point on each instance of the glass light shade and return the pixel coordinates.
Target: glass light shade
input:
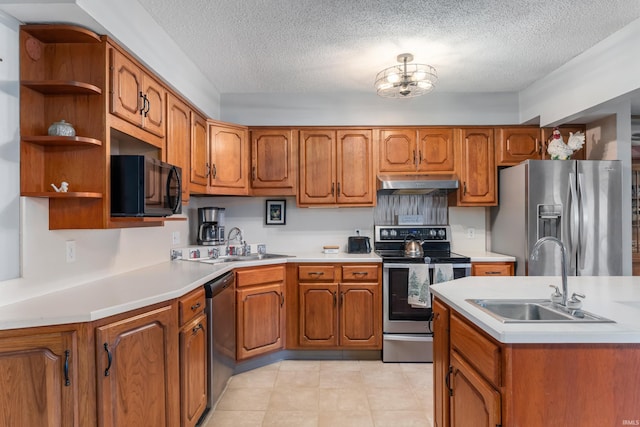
(406, 80)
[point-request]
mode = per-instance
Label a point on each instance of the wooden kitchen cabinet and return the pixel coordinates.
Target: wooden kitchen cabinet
(476, 169)
(137, 369)
(274, 162)
(200, 167)
(339, 306)
(441, 363)
(229, 159)
(260, 320)
(517, 144)
(336, 168)
(179, 139)
(492, 269)
(40, 377)
(137, 97)
(416, 150)
(565, 132)
(193, 357)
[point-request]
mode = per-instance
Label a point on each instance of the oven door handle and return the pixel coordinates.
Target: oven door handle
(400, 337)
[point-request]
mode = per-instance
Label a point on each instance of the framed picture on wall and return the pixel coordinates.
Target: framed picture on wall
(275, 213)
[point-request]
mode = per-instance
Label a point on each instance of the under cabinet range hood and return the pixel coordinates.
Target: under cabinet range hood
(417, 184)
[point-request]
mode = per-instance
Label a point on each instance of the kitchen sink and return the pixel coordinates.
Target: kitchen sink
(251, 257)
(534, 310)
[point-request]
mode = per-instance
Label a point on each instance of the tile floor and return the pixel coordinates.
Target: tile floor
(337, 393)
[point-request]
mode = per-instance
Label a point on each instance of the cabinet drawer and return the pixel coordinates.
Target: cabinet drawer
(362, 273)
(316, 272)
(260, 275)
(190, 305)
(478, 350)
(492, 269)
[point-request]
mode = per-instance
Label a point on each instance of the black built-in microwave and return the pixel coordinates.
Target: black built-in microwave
(144, 186)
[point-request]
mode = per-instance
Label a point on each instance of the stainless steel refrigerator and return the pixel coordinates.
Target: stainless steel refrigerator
(577, 201)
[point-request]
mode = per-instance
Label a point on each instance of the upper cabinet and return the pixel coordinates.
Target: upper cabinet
(179, 139)
(229, 160)
(517, 144)
(476, 169)
(200, 166)
(336, 167)
(423, 150)
(136, 96)
(274, 161)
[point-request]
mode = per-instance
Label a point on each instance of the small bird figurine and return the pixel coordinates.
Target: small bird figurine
(558, 150)
(64, 187)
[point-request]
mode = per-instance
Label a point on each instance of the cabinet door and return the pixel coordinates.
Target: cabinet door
(34, 371)
(515, 145)
(397, 150)
(317, 183)
(137, 370)
(229, 160)
(153, 113)
(200, 167)
(473, 402)
(179, 139)
(355, 179)
(440, 364)
(260, 321)
(318, 314)
(193, 370)
(126, 86)
(360, 315)
(477, 168)
(273, 162)
(436, 150)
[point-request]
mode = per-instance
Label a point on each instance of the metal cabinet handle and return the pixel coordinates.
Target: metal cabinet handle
(282, 300)
(362, 273)
(333, 189)
(338, 189)
(253, 173)
(195, 306)
(341, 299)
(109, 359)
(67, 354)
(147, 104)
(215, 171)
(207, 169)
(447, 381)
(492, 273)
(335, 299)
(464, 190)
(316, 273)
(419, 157)
(142, 97)
(196, 328)
(415, 159)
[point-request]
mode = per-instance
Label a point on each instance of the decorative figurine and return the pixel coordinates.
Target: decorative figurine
(558, 150)
(64, 187)
(61, 128)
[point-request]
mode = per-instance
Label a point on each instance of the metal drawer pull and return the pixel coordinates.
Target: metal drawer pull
(109, 359)
(446, 380)
(196, 328)
(364, 273)
(195, 306)
(492, 272)
(317, 273)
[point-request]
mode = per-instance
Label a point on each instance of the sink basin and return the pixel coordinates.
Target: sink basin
(530, 311)
(252, 257)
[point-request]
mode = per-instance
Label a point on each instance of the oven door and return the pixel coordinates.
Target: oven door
(398, 315)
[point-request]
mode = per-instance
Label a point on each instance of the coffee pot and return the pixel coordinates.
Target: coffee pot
(210, 226)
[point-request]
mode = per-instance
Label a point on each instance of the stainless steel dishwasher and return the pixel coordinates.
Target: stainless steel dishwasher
(221, 318)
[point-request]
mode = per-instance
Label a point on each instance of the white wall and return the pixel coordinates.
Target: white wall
(9, 149)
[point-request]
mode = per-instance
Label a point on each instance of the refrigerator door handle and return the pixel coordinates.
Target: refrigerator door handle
(584, 220)
(573, 219)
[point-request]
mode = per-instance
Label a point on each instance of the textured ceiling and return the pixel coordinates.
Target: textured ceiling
(254, 46)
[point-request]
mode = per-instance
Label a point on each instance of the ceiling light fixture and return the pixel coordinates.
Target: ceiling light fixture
(406, 80)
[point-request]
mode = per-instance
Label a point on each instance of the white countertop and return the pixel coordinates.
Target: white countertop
(485, 256)
(615, 298)
(136, 289)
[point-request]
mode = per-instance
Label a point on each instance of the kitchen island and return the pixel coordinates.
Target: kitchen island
(487, 372)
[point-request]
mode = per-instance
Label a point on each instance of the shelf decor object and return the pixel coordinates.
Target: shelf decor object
(406, 80)
(275, 213)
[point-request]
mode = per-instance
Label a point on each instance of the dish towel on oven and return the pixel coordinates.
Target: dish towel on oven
(418, 292)
(442, 273)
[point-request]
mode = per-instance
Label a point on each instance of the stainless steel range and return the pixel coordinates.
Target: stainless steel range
(408, 336)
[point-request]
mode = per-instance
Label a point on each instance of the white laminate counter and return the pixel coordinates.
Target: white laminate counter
(485, 256)
(616, 298)
(136, 289)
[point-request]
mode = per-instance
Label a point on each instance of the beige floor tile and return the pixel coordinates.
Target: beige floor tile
(258, 379)
(300, 365)
(345, 419)
(401, 419)
(294, 399)
(391, 399)
(417, 379)
(339, 365)
(236, 419)
(290, 419)
(298, 379)
(384, 378)
(244, 399)
(378, 366)
(337, 379)
(343, 399)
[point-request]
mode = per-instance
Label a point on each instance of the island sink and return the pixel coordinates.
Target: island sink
(534, 311)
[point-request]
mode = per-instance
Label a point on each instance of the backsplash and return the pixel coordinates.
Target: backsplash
(432, 208)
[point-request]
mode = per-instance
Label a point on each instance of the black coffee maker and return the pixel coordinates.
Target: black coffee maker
(210, 226)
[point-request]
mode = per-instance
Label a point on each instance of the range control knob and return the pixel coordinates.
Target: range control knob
(432, 233)
(441, 233)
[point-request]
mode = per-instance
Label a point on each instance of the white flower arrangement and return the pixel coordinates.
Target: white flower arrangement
(558, 150)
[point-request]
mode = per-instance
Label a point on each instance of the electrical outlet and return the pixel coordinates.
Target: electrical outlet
(71, 250)
(357, 231)
(471, 233)
(175, 238)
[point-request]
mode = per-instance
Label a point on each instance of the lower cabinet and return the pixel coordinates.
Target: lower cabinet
(39, 371)
(339, 306)
(492, 269)
(260, 320)
(137, 374)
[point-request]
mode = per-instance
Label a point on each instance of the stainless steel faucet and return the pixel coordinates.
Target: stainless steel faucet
(238, 237)
(563, 251)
